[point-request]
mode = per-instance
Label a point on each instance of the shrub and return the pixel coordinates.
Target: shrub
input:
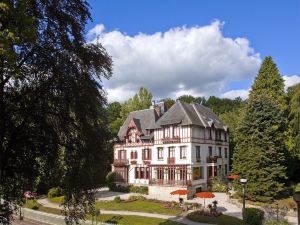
(117, 199)
(138, 189)
(253, 216)
(203, 212)
(120, 188)
(274, 222)
(217, 185)
(297, 188)
(54, 192)
(32, 204)
(136, 197)
(110, 180)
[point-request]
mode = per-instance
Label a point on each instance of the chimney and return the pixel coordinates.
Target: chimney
(158, 110)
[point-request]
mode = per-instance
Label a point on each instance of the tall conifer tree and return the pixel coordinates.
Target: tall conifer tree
(260, 153)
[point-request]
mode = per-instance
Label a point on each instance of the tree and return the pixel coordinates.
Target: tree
(268, 81)
(293, 141)
(260, 154)
(168, 102)
(223, 105)
(51, 101)
(187, 98)
(141, 100)
(113, 112)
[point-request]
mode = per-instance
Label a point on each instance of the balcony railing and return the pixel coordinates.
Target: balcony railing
(171, 160)
(168, 140)
(212, 159)
(120, 162)
(170, 182)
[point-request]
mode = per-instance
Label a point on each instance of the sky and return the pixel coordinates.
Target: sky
(197, 47)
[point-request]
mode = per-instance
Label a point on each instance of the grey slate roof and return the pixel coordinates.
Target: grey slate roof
(180, 113)
(190, 114)
(143, 119)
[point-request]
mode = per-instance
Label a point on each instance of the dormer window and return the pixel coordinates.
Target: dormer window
(132, 135)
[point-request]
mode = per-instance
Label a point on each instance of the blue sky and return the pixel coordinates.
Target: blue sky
(270, 27)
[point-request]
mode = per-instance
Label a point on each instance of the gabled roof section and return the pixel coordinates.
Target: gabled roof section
(142, 119)
(190, 114)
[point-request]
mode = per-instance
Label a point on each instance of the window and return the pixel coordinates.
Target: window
(160, 174)
(226, 153)
(147, 172)
(160, 153)
(133, 155)
(137, 172)
(142, 171)
(201, 172)
(225, 136)
(171, 152)
(183, 152)
(220, 152)
(210, 151)
(226, 169)
(210, 133)
(196, 173)
(146, 154)
(198, 157)
(183, 174)
(122, 154)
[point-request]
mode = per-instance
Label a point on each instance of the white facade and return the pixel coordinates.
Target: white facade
(177, 155)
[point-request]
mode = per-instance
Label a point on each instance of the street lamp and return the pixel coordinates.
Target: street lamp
(297, 200)
(243, 183)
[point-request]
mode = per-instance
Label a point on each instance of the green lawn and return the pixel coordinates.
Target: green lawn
(138, 206)
(116, 219)
(220, 220)
(135, 220)
(32, 204)
(58, 200)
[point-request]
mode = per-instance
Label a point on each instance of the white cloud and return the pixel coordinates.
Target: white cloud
(291, 80)
(243, 93)
(183, 60)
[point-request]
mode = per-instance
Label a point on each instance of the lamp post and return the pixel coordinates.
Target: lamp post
(243, 183)
(297, 200)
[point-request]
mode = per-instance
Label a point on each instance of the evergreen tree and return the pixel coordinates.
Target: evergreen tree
(260, 154)
(269, 82)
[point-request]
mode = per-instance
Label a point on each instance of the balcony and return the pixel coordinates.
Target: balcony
(120, 162)
(166, 182)
(212, 159)
(171, 160)
(170, 140)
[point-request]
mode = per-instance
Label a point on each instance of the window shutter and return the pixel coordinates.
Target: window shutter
(143, 154)
(131, 155)
(136, 154)
(119, 154)
(150, 154)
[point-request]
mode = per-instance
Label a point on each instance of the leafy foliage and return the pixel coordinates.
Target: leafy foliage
(51, 102)
(110, 180)
(217, 185)
(54, 192)
(253, 216)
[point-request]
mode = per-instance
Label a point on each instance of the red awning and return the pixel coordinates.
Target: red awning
(180, 192)
(205, 195)
(233, 177)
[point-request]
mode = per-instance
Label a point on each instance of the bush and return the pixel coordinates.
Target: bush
(297, 188)
(110, 180)
(274, 222)
(54, 192)
(138, 189)
(203, 212)
(117, 199)
(217, 185)
(136, 197)
(32, 204)
(120, 188)
(253, 216)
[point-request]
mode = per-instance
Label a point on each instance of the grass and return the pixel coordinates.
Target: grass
(115, 219)
(134, 220)
(32, 204)
(58, 200)
(138, 206)
(220, 220)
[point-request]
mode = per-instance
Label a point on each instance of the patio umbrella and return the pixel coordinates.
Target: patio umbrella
(205, 195)
(180, 192)
(233, 177)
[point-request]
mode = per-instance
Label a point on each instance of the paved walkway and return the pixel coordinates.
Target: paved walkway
(45, 202)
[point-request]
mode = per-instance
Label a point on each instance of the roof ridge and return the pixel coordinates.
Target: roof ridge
(181, 105)
(198, 114)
